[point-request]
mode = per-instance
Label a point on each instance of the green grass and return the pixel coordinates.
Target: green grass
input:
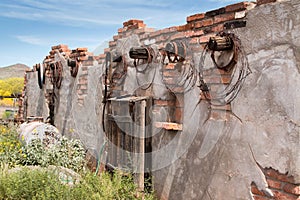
(42, 182)
(45, 184)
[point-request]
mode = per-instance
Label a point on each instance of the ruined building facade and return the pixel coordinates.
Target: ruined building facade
(206, 110)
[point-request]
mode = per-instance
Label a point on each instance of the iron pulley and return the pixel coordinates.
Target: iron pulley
(74, 65)
(219, 43)
(176, 51)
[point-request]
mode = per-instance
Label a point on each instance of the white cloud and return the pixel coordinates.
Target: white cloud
(30, 39)
(89, 12)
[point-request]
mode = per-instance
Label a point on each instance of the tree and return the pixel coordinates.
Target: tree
(10, 87)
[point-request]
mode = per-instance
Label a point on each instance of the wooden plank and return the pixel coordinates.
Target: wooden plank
(169, 126)
(141, 179)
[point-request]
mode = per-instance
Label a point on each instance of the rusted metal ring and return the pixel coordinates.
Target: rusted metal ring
(74, 66)
(176, 51)
(40, 73)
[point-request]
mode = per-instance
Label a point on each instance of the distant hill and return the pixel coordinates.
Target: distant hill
(16, 70)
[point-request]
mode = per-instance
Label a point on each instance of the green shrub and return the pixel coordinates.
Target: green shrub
(10, 146)
(46, 183)
(43, 184)
(68, 153)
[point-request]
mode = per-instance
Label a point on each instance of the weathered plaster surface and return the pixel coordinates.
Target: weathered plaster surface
(219, 163)
(212, 159)
(35, 100)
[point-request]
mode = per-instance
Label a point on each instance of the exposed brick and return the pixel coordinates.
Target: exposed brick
(240, 15)
(170, 73)
(218, 28)
(236, 7)
(136, 26)
(170, 66)
(144, 30)
(83, 87)
(132, 22)
(284, 196)
(178, 35)
(80, 49)
(155, 34)
(271, 173)
(198, 24)
(215, 71)
(215, 12)
(101, 56)
(207, 30)
(169, 30)
(219, 115)
(179, 100)
(82, 81)
(221, 107)
(207, 22)
(116, 37)
(195, 33)
(194, 41)
(260, 2)
(164, 102)
(120, 30)
(189, 26)
(277, 175)
(170, 81)
(255, 190)
(59, 46)
(79, 91)
(218, 79)
(178, 89)
(168, 125)
(224, 17)
(112, 43)
(125, 24)
(292, 188)
(257, 197)
(181, 28)
(178, 115)
(203, 23)
(274, 184)
(235, 24)
(205, 38)
(195, 17)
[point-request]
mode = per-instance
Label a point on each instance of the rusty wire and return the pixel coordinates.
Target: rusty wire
(152, 58)
(240, 69)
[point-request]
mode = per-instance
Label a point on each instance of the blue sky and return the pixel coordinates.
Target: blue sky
(30, 27)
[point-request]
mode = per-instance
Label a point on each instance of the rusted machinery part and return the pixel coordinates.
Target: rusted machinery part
(142, 64)
(119, 75)
(56, 75)
(41, 75)
(176, 51)
(74, 66)
(238, 66)
(108, 68)
(224, 43)
(141, 56)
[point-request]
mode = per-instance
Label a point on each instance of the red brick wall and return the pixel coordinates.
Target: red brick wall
(196, 32)
(282, 186)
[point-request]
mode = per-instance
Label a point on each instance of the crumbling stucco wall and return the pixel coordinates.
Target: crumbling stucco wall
(213, 157)
(34, 100)
(219, 163)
